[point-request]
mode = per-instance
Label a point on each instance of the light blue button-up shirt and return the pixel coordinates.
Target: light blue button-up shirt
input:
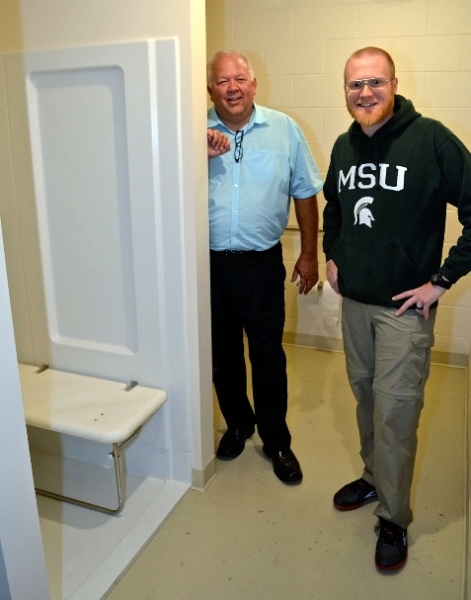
(249, 200)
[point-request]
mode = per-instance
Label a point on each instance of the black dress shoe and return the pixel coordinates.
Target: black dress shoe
(286, 466)
(233, 442)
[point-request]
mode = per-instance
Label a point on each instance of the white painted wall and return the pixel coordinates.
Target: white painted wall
(299, 49)
(22, 565)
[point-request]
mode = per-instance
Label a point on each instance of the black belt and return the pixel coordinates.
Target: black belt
(234, 253)
(241, 254)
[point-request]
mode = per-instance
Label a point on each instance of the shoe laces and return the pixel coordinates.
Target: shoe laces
(390, 533)
(362, 484)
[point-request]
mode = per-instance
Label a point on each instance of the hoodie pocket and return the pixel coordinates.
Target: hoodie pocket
(373, 271)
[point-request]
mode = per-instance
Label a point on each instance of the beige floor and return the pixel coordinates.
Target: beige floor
(249, 536)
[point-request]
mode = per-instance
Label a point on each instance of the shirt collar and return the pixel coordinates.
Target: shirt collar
(258, 117)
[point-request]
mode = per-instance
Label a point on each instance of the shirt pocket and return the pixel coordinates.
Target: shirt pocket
(267, 170)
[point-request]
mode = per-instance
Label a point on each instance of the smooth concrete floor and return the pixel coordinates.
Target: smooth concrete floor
(248, 536)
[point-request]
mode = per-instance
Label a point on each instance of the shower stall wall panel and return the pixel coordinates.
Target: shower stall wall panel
(91, 114)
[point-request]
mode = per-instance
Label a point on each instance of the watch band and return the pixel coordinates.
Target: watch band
(439, 280)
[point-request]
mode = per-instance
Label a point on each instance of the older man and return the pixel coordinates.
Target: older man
(249, 197)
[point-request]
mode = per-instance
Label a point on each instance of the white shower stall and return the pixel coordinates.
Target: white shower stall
(93, 216)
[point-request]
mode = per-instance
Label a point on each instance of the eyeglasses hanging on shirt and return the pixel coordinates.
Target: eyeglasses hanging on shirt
(238, 150)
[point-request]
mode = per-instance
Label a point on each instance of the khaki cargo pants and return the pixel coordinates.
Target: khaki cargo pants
(388, 363)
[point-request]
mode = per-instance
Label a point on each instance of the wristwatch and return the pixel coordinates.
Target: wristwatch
(441, 281)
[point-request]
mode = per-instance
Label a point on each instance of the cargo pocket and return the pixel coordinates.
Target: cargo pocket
(417, 364)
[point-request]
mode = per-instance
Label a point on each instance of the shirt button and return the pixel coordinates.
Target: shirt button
(236, 185)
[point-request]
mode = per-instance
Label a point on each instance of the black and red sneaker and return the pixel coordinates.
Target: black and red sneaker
(354, 494)
(391, 547)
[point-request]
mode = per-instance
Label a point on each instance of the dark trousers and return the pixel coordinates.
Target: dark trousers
(247, 293)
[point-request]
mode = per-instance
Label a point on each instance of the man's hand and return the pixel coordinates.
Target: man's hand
(307, 268)
(218, 143)
(422, 298)
(307, 265)
(333, 275)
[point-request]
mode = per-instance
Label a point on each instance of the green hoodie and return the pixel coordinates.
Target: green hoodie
(387, 194)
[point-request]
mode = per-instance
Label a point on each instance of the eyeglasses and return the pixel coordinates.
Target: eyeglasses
(374, 83)
(238, 150)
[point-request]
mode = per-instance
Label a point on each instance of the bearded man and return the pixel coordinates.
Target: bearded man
(387, 188)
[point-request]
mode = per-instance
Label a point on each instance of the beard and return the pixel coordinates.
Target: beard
(369, 119)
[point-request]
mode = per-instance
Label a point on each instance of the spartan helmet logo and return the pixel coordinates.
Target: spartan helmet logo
(363, 215)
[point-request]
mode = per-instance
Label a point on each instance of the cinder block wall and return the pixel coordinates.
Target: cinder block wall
(299, 49)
